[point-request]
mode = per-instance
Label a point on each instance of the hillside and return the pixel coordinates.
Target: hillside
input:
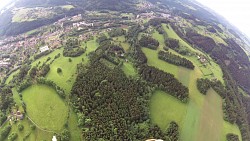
(122, 70)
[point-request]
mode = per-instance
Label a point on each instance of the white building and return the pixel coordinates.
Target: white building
(54, 138)
(45, 48)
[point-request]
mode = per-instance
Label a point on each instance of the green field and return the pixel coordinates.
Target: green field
(163, 110)
(211, 120)
(129, 69)
(11, 76)
(67, 77)
(201, 114)
(45, 107)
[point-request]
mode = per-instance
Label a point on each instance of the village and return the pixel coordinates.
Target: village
(17, 49)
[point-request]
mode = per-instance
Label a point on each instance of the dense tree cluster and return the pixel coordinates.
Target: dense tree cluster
(39, 55)
(117, 32)
(6, 99)
(172, 43)
(5, 132)
(3, 118)
(132, 34)
(149, 42)
(175, 59)
(204, 84)
(232, 137)
(73, 48)
(164, 81)
(64, 135)
(157, 21)
(173, 131)
(205, 43)
(138, 55)
(109, 92)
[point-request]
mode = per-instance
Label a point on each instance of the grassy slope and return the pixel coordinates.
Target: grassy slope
(129, 69)
(11, 77)
(162, 114)
(45, 107)
(69, 69)
(194, 116)
(211, 122)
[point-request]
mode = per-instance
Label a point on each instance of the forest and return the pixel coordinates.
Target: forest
(73, 48)
(175, 59)
(149, 42)
(164, 81)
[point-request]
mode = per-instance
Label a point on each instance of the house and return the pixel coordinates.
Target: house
(19, 115)
(44, 48)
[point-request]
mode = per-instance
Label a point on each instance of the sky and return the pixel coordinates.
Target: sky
(237, 12)
(3, 3)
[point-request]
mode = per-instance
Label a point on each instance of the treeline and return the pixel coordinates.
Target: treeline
(52, 84)
(117, 32)
(149, 42)
(37, 56)
(204, 84)
(164, 81)
(175, 59)
(232, 137)
(157, 22)
(172, 43)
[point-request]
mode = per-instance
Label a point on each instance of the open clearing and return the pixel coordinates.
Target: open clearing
(129, 69)
(45, 107)
(165, 108)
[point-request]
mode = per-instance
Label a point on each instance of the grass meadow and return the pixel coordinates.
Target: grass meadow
(45, 107)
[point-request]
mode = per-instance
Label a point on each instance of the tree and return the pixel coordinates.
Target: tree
(20, 127)
(59, 70)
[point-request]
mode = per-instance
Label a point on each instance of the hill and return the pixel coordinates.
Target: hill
(122, 70)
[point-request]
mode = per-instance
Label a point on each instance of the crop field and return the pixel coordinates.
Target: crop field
(45, 107)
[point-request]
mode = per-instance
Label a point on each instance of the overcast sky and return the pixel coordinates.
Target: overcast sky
(237, 12)
(3, 3)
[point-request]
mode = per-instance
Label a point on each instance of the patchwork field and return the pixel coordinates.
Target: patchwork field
(202, 117)
(45, 107)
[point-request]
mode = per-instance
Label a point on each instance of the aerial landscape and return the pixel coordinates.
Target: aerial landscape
(122, 70)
